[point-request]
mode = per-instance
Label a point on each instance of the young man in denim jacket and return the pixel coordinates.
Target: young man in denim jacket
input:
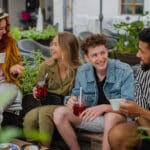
(101, 79)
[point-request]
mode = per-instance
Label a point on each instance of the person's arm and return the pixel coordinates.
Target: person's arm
(128, 85)
(76, 89)
(132, 109)
(144, 114)
(145, 122)
(144, 119)
(15, 67)
(92, 112)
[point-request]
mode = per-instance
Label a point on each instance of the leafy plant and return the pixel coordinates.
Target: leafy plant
(48, 33)
(15, 32)
(143, 129)
(128, 34)
(31, 69)
(128, 40)
(8, 133)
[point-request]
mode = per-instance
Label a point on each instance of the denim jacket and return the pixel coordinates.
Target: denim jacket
(119, 82)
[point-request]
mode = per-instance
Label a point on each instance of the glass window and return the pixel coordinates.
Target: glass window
(139, 1)
(127, 10)
(139, 10)
(132, 6)
(126, 1)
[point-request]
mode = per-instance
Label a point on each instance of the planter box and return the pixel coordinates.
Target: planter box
(45, 42)
(131, 59)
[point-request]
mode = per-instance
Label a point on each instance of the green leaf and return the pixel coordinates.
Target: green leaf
(30, 71)
(128, 33)
(48, 33)
(8, 133)
(37, 136)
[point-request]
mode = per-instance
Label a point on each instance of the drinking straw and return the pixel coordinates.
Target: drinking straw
(45, 78)
(80, 98)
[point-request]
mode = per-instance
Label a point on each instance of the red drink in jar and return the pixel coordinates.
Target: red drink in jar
(41, 91)
(78, 108)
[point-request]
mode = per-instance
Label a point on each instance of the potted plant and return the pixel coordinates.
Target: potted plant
(44, 37)
(15, 32)
(126, 47)
(31, 66)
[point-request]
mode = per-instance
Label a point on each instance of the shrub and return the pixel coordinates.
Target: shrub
(31, 66)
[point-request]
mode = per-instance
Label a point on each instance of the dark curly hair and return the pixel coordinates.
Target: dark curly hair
(144, 36)
(93, 41)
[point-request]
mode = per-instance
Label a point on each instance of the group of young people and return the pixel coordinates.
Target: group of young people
(101, 79)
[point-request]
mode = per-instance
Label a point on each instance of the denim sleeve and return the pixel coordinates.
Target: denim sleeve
(128, 85)
(76, 89)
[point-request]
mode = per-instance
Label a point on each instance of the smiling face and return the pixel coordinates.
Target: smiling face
(98, 57)
(144, 55)
(56, 49)
(2, 28)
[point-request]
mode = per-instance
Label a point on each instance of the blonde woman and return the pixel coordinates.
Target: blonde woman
(61, 69)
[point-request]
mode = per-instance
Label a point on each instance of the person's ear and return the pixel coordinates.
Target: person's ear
(86, 59)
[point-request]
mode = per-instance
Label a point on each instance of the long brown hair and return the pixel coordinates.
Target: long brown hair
(70, 48)
(3, 41)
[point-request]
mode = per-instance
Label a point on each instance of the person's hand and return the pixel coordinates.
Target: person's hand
(91, 113)
(130, 108)
(16, 69)
(71, 101)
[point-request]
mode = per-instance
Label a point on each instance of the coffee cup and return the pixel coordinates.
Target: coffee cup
(30, 147)
(115, 103)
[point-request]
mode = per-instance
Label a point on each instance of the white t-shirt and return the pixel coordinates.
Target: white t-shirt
(2, 77)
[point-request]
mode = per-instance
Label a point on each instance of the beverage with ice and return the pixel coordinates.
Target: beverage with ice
(41, 90)
(80, 105)
(78, 108)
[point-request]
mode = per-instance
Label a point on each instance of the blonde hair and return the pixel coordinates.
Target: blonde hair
(70, 48)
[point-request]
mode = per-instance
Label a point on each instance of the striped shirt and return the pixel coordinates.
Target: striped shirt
(142, 88)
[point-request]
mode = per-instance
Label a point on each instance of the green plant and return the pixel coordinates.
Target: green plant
(128, 34)
(15, 32)
(8, 133)
(31, 69)
(48, 33)
(128, 40)
(143, 129)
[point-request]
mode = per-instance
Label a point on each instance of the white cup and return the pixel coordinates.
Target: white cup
(115, 103)
(31, 147)
(2, 58)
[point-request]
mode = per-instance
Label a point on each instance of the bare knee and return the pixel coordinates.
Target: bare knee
(114, 118)
(123, 136)
(60, 115)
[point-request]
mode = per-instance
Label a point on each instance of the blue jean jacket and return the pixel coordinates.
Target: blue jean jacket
(119, 82)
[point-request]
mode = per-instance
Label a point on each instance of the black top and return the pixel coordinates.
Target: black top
(101, 96)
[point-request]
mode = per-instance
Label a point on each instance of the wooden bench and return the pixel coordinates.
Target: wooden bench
(89, 140)
(20, 143)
